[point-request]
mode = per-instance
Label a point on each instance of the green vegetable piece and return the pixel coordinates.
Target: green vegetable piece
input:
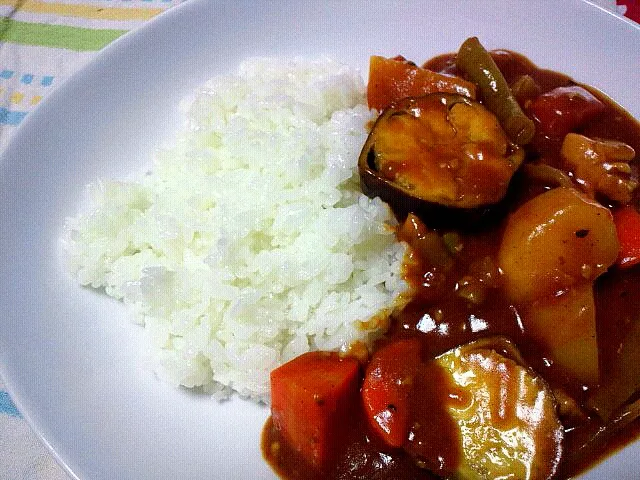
(505, 414)
(547, 175)
(453, 242)
(476, 63)
(525, 89)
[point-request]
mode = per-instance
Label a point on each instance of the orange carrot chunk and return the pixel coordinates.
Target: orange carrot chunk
(387, 387)
(310, 397)
(392, 79)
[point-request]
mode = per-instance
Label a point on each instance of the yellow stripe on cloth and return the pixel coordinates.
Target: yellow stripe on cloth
(84, 10)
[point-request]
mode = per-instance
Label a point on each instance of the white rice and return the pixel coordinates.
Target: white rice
(248, 242)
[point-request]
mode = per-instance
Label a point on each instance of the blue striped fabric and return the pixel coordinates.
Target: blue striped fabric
(6, 405)
(11, 117)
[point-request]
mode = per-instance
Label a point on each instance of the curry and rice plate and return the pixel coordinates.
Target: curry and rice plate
(249, 251)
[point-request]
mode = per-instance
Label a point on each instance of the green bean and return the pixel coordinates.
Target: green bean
(476, 63)
(547, 174)
(525, 89)
(453, 242)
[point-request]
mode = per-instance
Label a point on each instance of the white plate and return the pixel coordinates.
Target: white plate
(69, 356)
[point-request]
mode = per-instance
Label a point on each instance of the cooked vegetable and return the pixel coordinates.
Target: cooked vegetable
(428, 244)
(568, 408)
(471, 289)
(441, 149)
(565, 326)
(547, 174)
(388, 385)
(476, 63)
(555, 241)
(506, 416)
(621, 384)
(563, 110)
(309, 408)
(392, 79)
(471, 412)
(525, 89)
(600, 166)
(627, 222)
(453, 242)
(482, 276)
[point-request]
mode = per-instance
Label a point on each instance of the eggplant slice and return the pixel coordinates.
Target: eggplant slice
(436, 155)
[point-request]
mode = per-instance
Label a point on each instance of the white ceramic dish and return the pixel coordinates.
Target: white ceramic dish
(70, 358)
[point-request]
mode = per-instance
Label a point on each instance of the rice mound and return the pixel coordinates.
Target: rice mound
(248, 242)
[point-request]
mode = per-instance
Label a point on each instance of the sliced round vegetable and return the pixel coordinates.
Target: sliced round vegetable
(474, 412)
(438, 150)
(506, 415)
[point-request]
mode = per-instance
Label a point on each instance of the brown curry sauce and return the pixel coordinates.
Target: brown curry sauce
(454, 320)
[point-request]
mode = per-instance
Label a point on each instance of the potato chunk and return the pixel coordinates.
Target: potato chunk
(566, 326)
(554, 241)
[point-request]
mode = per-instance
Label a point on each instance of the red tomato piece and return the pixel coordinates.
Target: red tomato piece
(386, 391)
(564, 109)
(627, 222)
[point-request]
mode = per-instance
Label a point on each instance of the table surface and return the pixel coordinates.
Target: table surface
(42, 42)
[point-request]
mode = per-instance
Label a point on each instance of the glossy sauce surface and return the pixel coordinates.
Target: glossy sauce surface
(460, 301)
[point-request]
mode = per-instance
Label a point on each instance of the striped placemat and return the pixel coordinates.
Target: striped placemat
(42, 42)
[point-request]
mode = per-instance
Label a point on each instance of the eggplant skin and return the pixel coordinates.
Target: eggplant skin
(433, 214)
(441, 156)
